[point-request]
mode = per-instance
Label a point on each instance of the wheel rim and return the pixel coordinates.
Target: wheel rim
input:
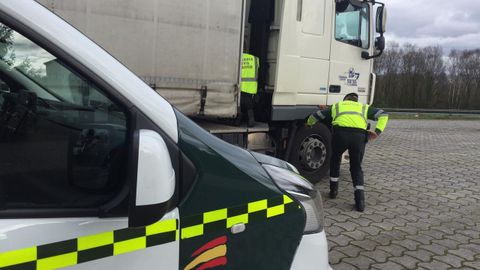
(313, 153)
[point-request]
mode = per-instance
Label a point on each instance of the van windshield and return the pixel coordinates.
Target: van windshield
(352, 24)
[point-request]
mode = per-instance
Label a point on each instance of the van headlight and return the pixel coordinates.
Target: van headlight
(302, 190)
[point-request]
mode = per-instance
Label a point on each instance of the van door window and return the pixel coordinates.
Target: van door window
(352, 23)
(62, 140)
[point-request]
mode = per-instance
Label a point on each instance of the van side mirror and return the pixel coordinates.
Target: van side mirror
(154, 184)
(381, 20)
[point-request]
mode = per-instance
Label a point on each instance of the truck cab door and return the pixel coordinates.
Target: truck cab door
(349, 73)
(304, 52)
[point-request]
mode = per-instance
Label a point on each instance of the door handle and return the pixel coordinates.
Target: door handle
(299, 10)
(335, 89)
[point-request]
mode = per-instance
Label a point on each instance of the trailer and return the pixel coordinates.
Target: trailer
(311, 53)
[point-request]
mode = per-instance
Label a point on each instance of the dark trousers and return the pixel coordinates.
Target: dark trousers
(354, 141)
(246, 106)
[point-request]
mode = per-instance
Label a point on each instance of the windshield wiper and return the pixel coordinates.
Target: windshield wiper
(74, 107)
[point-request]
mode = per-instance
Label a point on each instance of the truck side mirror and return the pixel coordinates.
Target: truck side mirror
(380, 43)
(381, 26)
(381, 20)
(154, 185)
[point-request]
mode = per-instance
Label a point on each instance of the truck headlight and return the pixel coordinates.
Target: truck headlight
(302, 190)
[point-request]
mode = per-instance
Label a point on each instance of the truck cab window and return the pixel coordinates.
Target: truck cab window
(62, 140)
(352, 24)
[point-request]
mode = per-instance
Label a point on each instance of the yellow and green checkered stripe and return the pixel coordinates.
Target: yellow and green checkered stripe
(90, 248)
(94, 247)
(221, 219)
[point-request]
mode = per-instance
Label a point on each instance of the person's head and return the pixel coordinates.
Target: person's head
(351, 97)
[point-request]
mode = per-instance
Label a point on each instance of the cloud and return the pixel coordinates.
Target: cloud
(464, 42)
(451, 24)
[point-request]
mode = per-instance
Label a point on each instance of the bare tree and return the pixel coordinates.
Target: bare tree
(414, 77)
(464, 72)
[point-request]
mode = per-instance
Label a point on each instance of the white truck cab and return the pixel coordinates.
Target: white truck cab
(97, 171)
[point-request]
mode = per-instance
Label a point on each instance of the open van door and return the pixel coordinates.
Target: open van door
(77, 184)
(304, 51)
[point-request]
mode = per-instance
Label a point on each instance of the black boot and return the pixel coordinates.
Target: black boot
(359, 200)
(333, 190)
(238, 121)
(250, 118)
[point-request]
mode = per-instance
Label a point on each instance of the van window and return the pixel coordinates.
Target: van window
(62, 140)
(352, 23)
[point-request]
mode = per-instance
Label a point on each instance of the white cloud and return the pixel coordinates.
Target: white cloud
(464, 42)
(453, 24)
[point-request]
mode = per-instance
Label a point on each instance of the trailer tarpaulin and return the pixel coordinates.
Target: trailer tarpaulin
(187, 50)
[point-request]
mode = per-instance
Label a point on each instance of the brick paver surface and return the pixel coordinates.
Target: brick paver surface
(423, 200)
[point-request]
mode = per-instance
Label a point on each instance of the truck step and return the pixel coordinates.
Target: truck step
(218, 128)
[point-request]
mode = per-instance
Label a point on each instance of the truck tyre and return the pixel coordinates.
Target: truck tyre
(311, 151)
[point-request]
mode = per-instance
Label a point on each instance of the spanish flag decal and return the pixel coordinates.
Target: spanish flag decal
(210, 255)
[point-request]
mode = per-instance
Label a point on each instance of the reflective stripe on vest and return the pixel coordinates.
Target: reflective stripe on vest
(350, 114)
(250, 67)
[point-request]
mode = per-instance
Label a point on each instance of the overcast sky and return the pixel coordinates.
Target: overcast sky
(450, 23)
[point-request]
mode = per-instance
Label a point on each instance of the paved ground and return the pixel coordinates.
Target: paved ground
(423, 201)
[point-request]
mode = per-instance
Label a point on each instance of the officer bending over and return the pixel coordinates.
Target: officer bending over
(349, 121)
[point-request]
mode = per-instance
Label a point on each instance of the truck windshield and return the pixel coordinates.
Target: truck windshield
(352, 24)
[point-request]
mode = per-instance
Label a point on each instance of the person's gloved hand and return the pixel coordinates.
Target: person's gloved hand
(311, 121)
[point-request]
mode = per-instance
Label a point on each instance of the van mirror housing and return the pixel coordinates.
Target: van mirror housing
(154, 184)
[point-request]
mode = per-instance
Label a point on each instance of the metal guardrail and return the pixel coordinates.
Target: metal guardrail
(434, 111)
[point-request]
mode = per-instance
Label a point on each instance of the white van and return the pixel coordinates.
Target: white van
(97, 171)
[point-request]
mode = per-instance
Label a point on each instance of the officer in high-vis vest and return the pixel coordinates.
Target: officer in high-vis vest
(349, 121)
(249, 87)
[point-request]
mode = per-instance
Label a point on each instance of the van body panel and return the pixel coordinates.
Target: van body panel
(17, 234)
(230, 177)
(309, 253)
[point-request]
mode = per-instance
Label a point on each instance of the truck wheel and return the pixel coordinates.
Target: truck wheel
(311, 152)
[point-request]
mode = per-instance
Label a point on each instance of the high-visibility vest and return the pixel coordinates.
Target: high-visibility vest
(350, 114)
(250, 67)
